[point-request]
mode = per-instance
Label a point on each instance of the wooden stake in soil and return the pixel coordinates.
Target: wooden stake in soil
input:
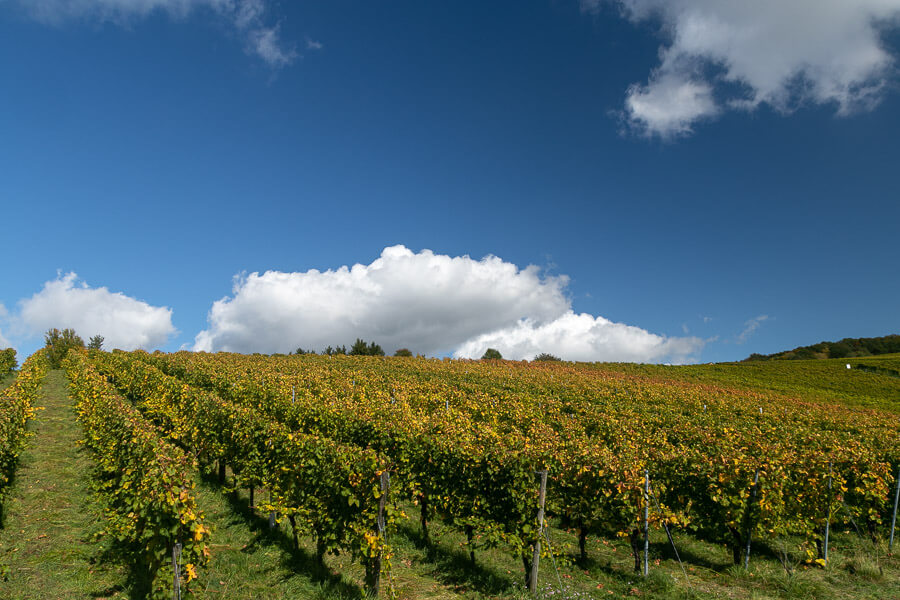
(373, 567)
(646, 522)
(749, 518)
(894, 518)
(423, 502)
(536, 558)
(176, 577)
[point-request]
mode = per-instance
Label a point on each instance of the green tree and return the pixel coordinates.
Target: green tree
(96, 343)
(543, 356)
(492, 354)
(7, 361)
(59, 343)
(360, 348)
(403, 352)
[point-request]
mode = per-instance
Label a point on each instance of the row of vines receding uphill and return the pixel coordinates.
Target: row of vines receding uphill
(472, 478)
(465, 439)
(143, 482)
(16, 408)
(331, 491)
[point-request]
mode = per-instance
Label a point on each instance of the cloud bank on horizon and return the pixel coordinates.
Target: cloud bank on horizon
(246, 17)
(430, 303)
(721, 55)
(124, 322)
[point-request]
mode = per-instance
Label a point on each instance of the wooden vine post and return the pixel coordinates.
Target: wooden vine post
(536, 557)
(423, 502)
(828, 511)
(176, 570)
(753, 491)
(646, 522)
(373, 565)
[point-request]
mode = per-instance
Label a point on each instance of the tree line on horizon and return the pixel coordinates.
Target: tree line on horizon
(59, 342)
(361, 348)
(845, 348)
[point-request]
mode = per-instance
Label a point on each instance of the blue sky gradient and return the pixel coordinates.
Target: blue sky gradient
(160, 156)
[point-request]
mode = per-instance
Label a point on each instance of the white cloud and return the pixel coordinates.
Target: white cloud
(4, 343)
(246, 16)
(669, 105)
(734, 54)
(427, 302)
(312, 44)
(266, 43)
(582, 337)
(123, 321)
(750, 328)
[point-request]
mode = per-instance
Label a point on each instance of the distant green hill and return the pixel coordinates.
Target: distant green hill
(872, 382)
(846, 348)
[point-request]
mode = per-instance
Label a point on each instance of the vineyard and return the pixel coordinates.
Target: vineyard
(16, 408)
(352, 455)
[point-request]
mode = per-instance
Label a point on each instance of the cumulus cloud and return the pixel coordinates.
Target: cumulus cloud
(123, 321)
(750, 328)
(246, 16)
(582, 337)
(430, 303)
(733, 54)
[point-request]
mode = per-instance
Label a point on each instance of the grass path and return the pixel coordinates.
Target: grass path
(51, 516)
(7, 381)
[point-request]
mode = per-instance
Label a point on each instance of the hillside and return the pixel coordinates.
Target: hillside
(845, 348)
(871, 382)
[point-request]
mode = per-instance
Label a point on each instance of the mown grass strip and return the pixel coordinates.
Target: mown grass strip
(46, 547)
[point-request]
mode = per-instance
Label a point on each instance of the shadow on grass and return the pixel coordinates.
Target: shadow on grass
(688, 556)
(294, 559)
(455, 567)
(137, 585)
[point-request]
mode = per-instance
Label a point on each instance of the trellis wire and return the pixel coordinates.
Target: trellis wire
(671, 539)
(828, 518)
(894, 518)
(852, 521)
(552, 557)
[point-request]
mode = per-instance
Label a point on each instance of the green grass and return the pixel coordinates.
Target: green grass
(811, 380)
(252, 561)
(7, 380)
(46, 547)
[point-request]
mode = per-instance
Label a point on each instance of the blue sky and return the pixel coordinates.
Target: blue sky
(686, 196)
